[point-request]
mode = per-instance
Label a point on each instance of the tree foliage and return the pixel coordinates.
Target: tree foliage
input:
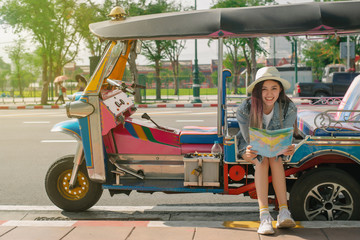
(4, 74)
(239, 48)
(172, 52)
(25, 66)
(53, 26)
(154, 51)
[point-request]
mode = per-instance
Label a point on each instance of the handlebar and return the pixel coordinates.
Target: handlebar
(121, 86)
(134, 85)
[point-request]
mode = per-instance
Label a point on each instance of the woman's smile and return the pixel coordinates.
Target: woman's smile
(270, 93)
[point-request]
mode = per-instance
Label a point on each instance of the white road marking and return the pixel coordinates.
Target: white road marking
(204, 113)
(58, 141)
(27, 114)
(189, 120)
(169, 112)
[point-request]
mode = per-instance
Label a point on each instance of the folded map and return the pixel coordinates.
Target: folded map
(270, 143)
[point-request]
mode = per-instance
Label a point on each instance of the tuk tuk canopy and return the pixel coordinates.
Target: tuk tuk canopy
(291, 19)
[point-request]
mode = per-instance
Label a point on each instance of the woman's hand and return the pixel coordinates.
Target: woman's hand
(290, 150)
(250, 155)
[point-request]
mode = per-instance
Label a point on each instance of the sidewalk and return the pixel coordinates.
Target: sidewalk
(159, 230)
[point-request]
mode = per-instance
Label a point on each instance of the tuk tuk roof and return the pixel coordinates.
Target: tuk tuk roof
(291, 19)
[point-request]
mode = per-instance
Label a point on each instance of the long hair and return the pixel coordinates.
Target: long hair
(256, 110)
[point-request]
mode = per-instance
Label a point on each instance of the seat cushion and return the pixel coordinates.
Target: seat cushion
(306, 125)
(200, 135)
(232, 123)
(305, 120)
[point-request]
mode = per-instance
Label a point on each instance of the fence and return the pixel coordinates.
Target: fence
(207, 91)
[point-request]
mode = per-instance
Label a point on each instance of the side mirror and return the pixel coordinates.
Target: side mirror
(145, 116)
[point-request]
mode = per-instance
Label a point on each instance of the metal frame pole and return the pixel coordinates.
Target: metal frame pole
(220, 86)
(196, 81)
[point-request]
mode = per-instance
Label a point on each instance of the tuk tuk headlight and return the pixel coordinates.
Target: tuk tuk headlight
(79, 109)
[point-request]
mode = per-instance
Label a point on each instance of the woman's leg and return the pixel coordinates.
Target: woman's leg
(262, 181)
(62, 98)
(284, 219)
(278, 180)
(262, 190)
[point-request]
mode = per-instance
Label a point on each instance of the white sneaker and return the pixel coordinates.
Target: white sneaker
(284, 219)
(266, 224)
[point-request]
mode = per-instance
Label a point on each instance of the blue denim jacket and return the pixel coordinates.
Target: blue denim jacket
(243, 117)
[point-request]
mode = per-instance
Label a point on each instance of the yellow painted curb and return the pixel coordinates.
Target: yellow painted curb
(251, 224)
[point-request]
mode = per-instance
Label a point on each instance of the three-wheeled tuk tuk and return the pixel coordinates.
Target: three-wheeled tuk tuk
(123, 154)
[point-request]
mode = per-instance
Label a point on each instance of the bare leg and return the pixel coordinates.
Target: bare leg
(262, 190)
(262, 182)
(284, 219)
(278, 179)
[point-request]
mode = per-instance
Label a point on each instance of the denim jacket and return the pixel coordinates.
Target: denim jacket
(243, 117)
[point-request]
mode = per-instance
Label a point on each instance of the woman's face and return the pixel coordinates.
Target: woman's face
(270, 92)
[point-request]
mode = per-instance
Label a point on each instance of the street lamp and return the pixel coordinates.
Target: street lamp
(196, 82)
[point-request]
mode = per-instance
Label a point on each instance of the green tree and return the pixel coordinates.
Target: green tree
(16, 54)
(53, 27)
(249, 47)
(318, 54)
(172, 52)
(154, 50)
(4, 74)
(236, 66)
(26, 66)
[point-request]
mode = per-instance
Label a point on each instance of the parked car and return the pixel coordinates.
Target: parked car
(331, 68)
(337, 85)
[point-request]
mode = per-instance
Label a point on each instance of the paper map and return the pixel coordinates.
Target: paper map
(270, 143)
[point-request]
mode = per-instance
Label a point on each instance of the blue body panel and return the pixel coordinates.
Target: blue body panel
(86, 135)
(70, 127)
(312, 147)
(200, 135)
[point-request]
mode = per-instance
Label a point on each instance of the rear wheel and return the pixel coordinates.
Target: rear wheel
(325, 195)
(84, 194)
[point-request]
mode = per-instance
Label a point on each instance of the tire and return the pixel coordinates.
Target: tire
(85, 194)
(325, 194)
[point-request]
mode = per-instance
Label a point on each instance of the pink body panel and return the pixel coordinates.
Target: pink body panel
(107, 119)
(140, 137)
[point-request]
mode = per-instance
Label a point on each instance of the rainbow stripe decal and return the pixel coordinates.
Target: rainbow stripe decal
(143, 133)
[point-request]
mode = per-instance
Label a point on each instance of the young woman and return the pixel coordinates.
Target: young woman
(267, 108)
(62, 91)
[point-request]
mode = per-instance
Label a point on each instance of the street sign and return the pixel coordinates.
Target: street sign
(343, 50)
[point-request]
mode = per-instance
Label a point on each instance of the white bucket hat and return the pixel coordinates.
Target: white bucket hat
(268, 73)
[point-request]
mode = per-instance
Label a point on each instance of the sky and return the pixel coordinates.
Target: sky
(205, 53)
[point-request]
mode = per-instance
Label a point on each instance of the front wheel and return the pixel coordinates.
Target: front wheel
(82, 197)
(325, 195)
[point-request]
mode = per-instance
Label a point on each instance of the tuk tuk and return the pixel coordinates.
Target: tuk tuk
(121, 154)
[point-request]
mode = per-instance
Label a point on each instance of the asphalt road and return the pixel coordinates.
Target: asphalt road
(28, 148)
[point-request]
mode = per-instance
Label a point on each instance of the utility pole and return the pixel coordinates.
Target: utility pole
(196, 82)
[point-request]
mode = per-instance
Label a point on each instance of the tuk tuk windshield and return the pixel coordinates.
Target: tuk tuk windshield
(115, 54)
